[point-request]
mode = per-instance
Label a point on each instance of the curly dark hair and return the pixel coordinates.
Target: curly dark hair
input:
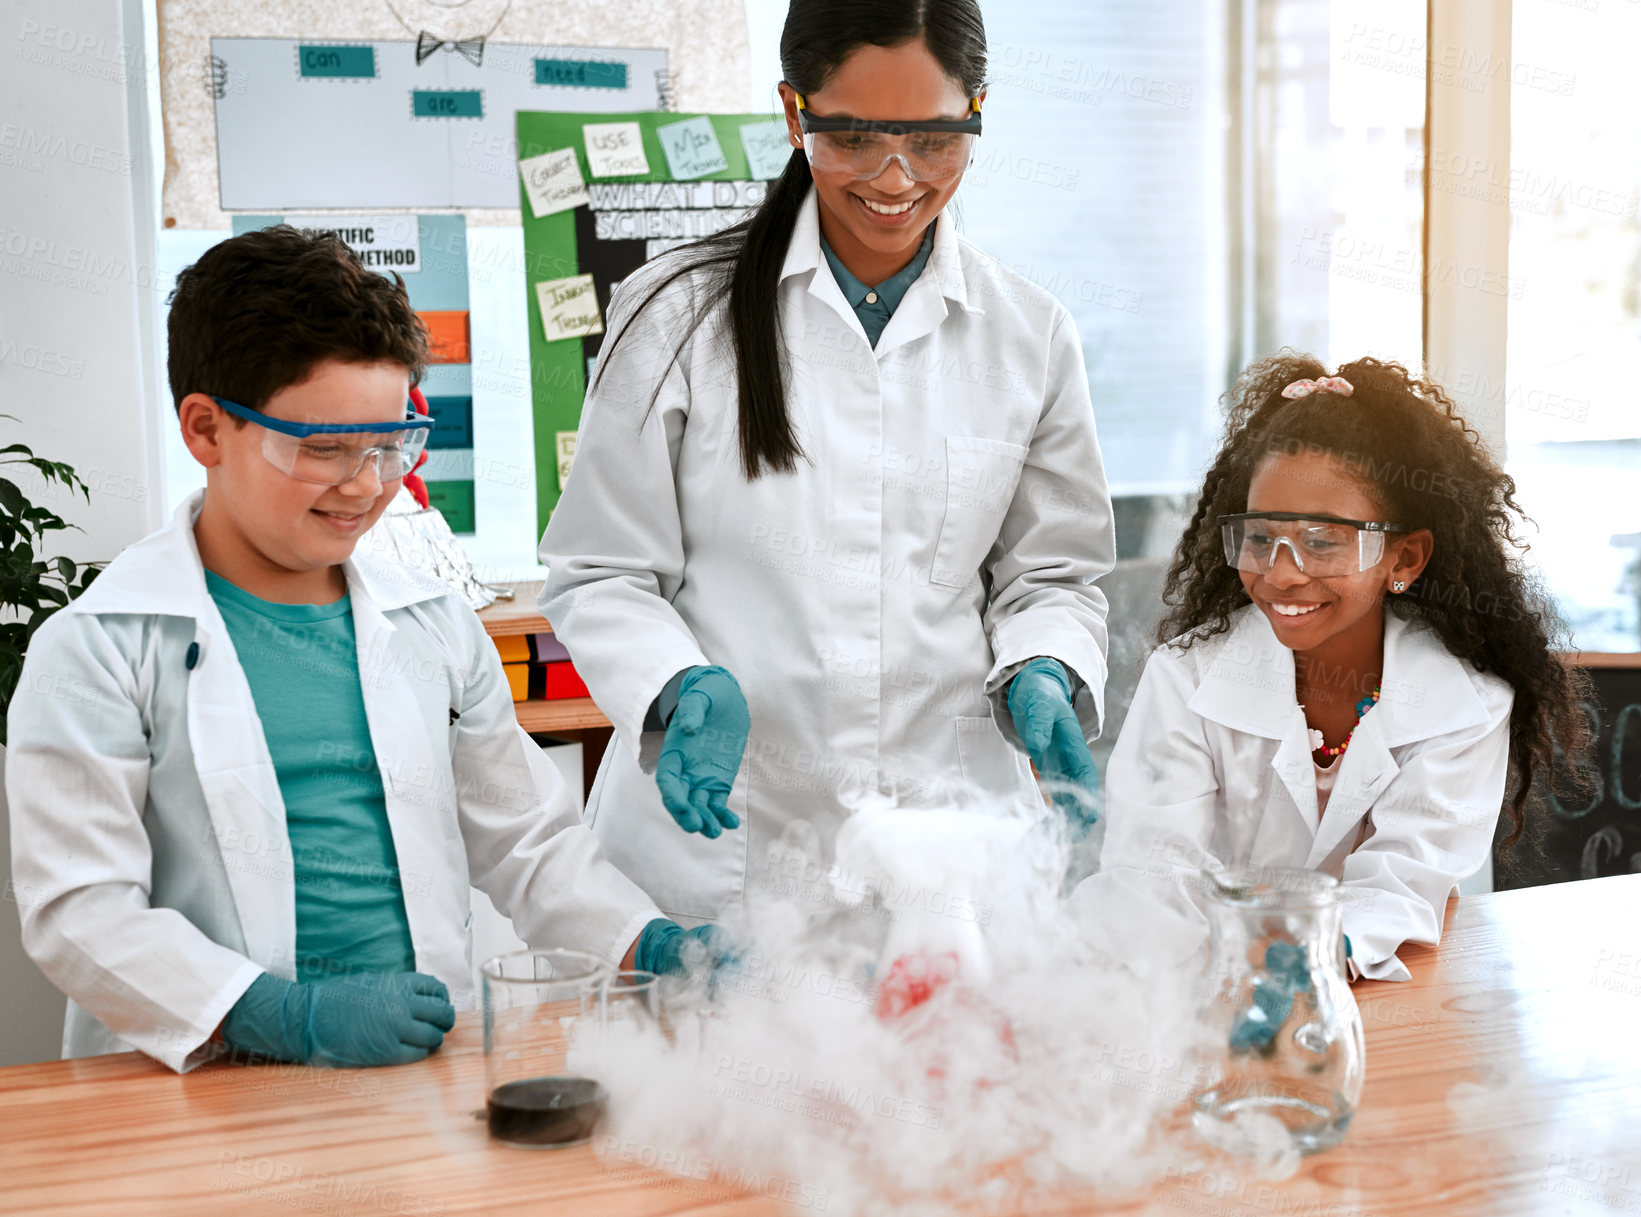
(1405, 444)
(257, 312)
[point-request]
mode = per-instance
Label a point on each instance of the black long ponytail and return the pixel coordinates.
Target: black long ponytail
(746, 258)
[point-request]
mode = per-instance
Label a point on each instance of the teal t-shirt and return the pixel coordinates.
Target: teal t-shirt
(303, 667)
(875, 305)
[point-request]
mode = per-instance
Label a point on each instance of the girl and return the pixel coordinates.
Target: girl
(838, 506)
(1357, 672)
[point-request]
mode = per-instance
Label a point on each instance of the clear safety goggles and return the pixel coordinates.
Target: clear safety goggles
(333, 454)
(1320, 546)
(928, 151)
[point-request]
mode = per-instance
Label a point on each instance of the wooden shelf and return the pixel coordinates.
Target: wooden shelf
(566, 714)
(519, 615)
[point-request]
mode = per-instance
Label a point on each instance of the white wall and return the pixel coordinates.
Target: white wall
(76, 349)
(76, 259)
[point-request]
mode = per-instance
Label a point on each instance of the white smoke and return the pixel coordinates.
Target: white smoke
(1039, 1066)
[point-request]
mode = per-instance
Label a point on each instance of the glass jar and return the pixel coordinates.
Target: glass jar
(1285, 1055)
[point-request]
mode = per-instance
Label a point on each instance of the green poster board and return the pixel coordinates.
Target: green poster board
(623, 225)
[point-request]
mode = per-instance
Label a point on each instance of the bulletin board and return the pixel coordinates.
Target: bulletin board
(701, 173)
(705, 42)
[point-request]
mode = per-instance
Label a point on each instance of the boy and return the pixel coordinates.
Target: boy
(251, 775)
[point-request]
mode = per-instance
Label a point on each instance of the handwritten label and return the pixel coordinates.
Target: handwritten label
(615, 149)
(581, 74)
(692, 149)
(384, 243)
(447, 103)
(336, 61)
(768, 149)
(553, 182)
(569, 308)
(566, 455)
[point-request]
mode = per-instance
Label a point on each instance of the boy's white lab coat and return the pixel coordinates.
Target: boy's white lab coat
(151, 864)
(1214, 764)
(945, 523)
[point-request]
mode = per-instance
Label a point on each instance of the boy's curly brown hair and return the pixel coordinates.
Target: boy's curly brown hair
(259, 311)
(1401, 439)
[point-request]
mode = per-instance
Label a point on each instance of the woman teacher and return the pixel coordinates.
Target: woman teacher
(838, 507)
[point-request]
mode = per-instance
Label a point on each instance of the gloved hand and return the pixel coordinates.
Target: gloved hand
(665, 946)
(367, 1018)
(701, 752)
(1040, 704)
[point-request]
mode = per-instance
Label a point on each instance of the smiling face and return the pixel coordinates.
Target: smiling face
(875, 226)
(274, 535)
(1342, 612)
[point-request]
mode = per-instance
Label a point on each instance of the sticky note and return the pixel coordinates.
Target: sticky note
(566, 455)
(767, 149)
(692, 149)
(615, 149)
(569, 308)
(553, 182)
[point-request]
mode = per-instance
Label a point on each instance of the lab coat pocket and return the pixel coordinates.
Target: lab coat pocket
(987, 759)
(981, 476)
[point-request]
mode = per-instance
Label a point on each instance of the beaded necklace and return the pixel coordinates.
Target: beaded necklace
(1362, 707)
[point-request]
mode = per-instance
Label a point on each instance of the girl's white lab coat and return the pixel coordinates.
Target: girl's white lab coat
(1214, 764)
(151, 864)
(946, 523)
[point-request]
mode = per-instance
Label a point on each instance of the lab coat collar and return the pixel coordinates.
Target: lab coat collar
(1249, 685)
(162, 575)
(944, 270)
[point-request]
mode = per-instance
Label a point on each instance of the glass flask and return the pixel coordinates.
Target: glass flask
(1284, 1034)
(532, 1002)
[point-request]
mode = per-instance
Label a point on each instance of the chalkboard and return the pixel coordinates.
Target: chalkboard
(1600, 833)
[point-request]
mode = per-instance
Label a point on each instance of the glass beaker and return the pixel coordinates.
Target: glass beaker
(532, 1000)
(617, 1010)
(1286, 1036)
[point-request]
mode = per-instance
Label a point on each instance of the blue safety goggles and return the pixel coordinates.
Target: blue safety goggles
(333, 454)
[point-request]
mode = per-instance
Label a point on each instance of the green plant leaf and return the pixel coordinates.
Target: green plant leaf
(66, 569)
(12, 498)
(23, 448)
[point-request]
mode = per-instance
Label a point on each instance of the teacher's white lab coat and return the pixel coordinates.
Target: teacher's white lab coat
(946, 523)
(1214, 765)
(150, 859)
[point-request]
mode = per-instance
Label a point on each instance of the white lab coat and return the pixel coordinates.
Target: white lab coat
(150, 862)
(946, 523)
(1214, 764)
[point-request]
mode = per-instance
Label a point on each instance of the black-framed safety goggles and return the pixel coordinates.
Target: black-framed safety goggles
(1322, 546)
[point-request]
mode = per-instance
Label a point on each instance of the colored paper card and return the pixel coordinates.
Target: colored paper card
(335, 62)
(569, 308)
(452, 422)
(581, 74)
(455, 503)
(615, 149)
(446, 103)
(692, 148)
(566, 455)
(553, 182)
(447, 336)
(768, 149)
(384, 243)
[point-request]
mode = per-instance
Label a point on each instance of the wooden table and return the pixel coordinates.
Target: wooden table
(1504, 1079)
(576, 718)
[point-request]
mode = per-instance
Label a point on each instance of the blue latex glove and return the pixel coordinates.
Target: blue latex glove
(665, 946)
(1040, 704)
(367, 1018)
(701, 752)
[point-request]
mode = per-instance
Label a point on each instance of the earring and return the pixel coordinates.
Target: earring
(1398, 586)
